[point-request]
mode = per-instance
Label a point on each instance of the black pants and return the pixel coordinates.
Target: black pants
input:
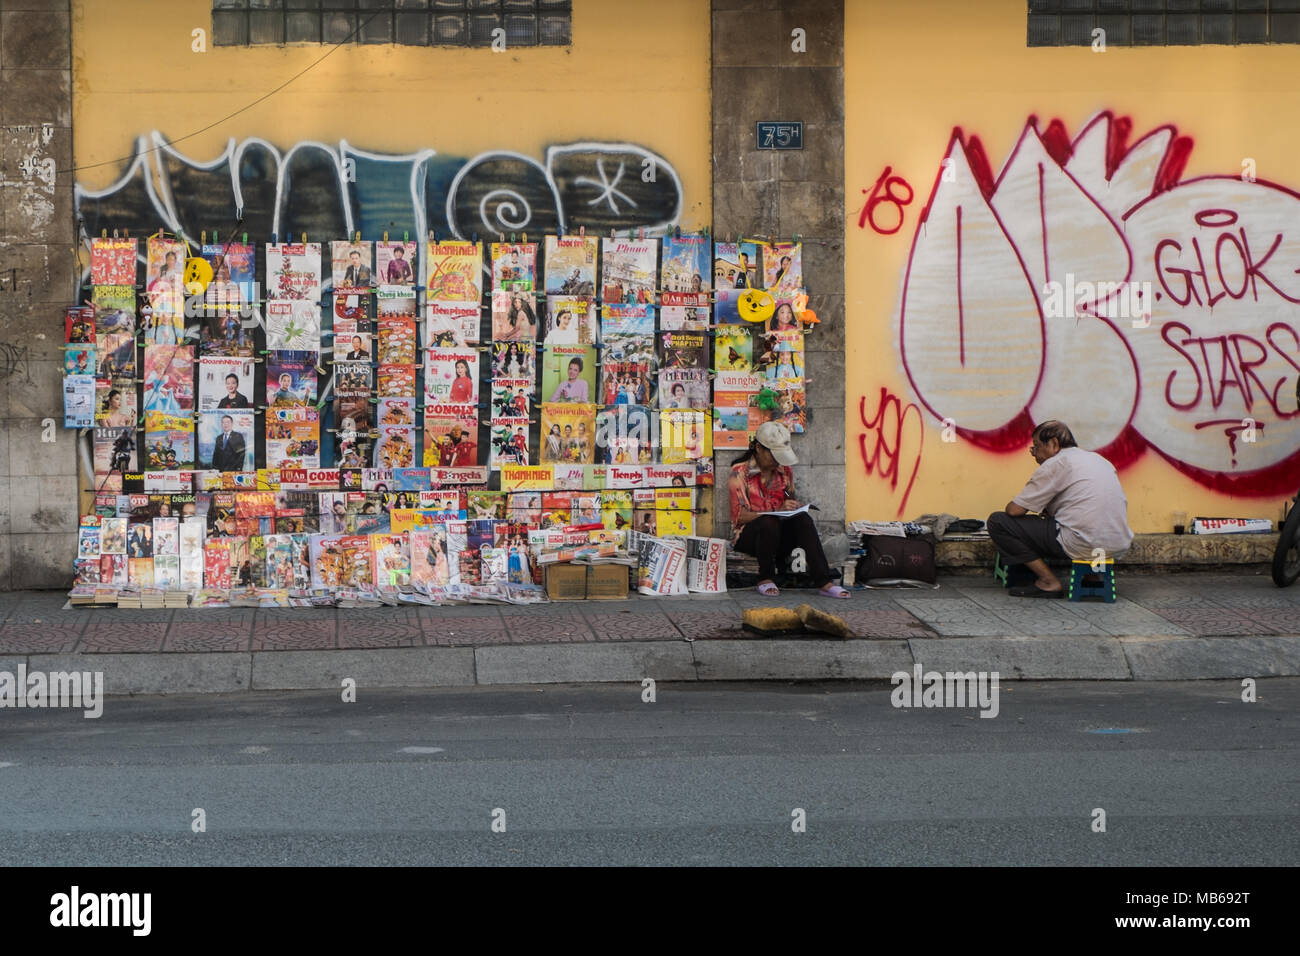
(771, 539)
(1025, 538)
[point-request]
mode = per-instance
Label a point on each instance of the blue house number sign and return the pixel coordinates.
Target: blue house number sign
(780, 135)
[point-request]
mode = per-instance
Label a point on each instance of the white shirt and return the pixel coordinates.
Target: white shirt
(1081, 490)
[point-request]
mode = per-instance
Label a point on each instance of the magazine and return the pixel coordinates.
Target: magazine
(629, 268)
(514, 316)
(570, 320)
(624, 435)
(293, 436)
(451, 324)
(568, 433)
(351, 265)
(226, 440)
(225, 383)
(509, 442)
(113, 261)
(514, 360)
(352, 340)
(685, 435)
(290, 378)
(735, 265)
(293, 324)
(293, 271)
(686, 264)
(168, 378)
(396, 446)
(782, 267)
(571, 265)
(114, 310)
(514, 266)
(395, 263)
(511, 398)
(396, 410)
(115, 354)
(733, 347)
(396, 301)
(397, 340)
(569, 374)
(168, 442)
(455, 271)
(396, 381)
(451, 376)
(683, 370)
(450, 435)
(78, 401)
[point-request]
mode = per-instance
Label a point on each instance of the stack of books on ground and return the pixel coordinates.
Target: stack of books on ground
(93, 595)
(176, 598)
(151, 598)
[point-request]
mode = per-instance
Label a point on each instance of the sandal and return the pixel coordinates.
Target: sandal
(833, 591)
(768, 589)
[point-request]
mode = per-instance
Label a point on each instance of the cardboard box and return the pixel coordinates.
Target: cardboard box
(607, 582)
(566, 582)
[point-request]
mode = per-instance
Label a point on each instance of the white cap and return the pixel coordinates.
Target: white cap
(775, 437)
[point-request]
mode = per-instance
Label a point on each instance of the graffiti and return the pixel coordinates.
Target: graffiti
(14, 361)
(331, 191)
(1213, 262)
(883, 192)
(887, 428)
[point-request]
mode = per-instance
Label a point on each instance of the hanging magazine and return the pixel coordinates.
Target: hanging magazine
(571, 265)
(628, 270)
(455, 271)
(514, 266)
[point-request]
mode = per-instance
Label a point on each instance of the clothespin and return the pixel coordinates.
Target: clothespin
(582, 232)
(640, 233)
(103, 233)
(275, 238)
(356, 237)
(203, 237)
(304, 238)
(245, 238)
(524, 236)
(406, 236)
(385, 236)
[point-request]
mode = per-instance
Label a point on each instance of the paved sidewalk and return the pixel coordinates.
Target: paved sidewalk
(1169, 627)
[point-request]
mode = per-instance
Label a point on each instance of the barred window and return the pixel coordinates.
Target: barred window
(472, 23)
(1162, 22)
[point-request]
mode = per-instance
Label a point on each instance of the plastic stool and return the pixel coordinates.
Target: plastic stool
(999, 569)
(1105, 590)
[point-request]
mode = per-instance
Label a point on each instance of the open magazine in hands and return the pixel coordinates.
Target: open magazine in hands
(791, 512)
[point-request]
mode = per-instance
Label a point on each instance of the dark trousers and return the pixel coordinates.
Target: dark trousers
(1025, 538)
(772, 539)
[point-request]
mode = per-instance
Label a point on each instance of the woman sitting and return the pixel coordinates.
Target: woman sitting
(761, 482)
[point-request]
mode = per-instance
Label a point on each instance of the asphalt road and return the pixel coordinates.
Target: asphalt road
(704, 775)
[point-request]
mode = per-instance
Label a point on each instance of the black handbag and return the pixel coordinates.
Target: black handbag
(891, 558)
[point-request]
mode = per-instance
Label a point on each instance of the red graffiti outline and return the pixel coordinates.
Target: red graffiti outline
(877, 423)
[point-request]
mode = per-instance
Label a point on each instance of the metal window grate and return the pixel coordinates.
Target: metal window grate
(464, 23)
(1161, 22)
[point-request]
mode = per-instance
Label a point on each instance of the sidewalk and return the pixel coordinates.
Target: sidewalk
(1164, 627)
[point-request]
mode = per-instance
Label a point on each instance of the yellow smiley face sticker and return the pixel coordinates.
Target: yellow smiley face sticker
(197, 275)
(755, 305)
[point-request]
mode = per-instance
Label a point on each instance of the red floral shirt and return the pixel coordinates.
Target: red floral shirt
(750, 494)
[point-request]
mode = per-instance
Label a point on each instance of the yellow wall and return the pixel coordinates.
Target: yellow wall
(912, 74)
(636, 73)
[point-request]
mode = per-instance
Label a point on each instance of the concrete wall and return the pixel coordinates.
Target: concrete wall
(38, 483)
(757, 75)
(1081, 165)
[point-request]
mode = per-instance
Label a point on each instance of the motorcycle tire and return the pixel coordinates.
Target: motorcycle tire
(1286, 559)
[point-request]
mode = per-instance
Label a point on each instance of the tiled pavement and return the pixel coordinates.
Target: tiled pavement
(1184, 605)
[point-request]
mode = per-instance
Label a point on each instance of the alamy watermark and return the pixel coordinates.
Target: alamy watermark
(76, 689)
(1113, 300)
(947, 689)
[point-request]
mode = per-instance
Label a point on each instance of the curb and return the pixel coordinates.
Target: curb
(1014, 658)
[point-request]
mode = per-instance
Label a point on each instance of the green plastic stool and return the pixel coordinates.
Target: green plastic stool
(999, 569)
(1105, 590)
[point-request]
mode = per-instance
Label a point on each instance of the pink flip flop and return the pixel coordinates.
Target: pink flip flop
(768, 589)
(834, 591)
